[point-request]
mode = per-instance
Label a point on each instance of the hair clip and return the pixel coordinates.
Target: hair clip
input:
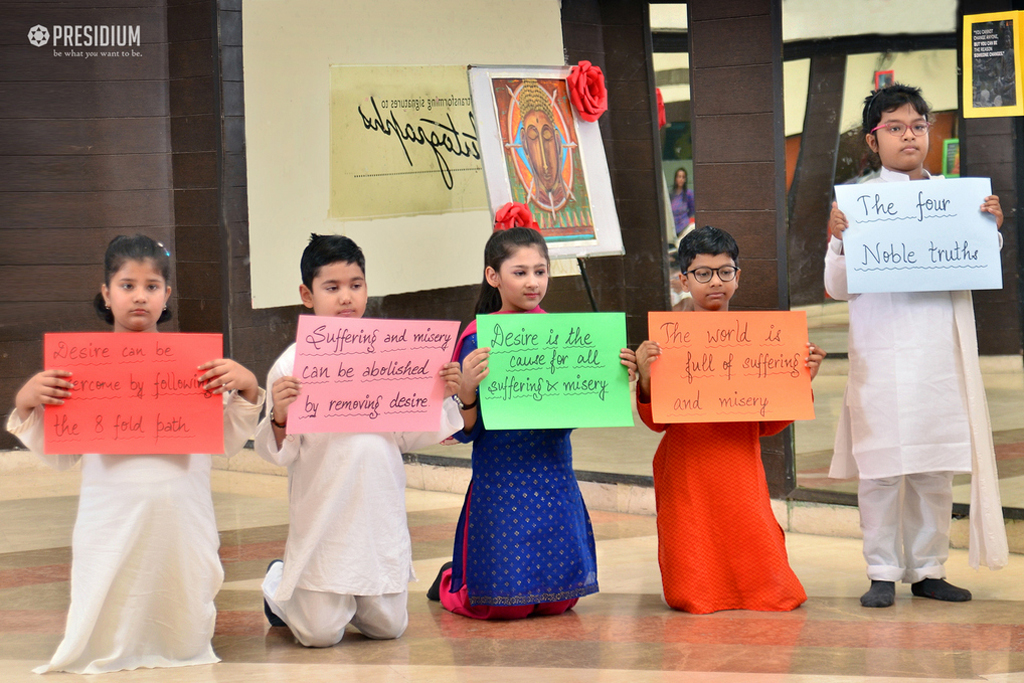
(166, 250)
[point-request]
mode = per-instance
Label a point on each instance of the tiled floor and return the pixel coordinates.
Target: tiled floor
(624, 633)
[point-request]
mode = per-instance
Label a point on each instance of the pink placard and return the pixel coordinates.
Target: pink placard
(134, 394)
(370, 375)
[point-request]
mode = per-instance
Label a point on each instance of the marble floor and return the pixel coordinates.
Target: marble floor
(624, 633)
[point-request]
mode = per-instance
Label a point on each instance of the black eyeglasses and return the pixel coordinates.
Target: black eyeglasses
(704, 275)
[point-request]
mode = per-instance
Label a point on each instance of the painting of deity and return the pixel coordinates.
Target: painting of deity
(542, 155)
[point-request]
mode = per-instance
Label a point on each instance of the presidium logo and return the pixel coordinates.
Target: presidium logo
(38, 35)
(106, 39)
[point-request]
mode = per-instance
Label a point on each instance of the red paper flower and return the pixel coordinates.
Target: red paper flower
(587, 91)
(514, 215)
(661, 109)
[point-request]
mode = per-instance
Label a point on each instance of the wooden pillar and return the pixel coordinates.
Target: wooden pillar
(193, 85)
(810, 196)
(739, 159)
(615, 35)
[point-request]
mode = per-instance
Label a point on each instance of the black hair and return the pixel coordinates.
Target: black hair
(706, 240)
(135, 248)
(685, 182)
(890, 98)
(499, 248)
(323, 250)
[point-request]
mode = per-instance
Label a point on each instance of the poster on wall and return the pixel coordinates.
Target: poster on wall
(403, 142)
(536, 151)
(992, 85)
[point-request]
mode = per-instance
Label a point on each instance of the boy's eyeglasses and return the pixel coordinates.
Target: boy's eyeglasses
(704, 275)
(898, 129)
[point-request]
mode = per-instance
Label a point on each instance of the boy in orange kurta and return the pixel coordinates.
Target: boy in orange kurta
(719, 544)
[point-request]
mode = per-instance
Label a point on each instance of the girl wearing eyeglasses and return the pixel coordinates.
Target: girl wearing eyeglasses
(914, 413)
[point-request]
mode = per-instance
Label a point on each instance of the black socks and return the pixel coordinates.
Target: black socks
(881, 594)
(434, 592)
(939, 589)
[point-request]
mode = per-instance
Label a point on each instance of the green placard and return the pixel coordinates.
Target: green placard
(555, 370)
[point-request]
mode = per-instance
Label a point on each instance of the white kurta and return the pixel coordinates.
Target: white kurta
(348, 532)
(144, 568)
(915, 401)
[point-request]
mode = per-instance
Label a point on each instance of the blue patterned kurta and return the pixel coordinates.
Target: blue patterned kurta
(529, 535)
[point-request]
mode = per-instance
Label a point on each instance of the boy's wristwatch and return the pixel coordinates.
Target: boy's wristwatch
(465, 406)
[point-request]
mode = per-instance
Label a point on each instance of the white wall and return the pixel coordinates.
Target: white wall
(288, 49)
(934, 71)
(807, 19)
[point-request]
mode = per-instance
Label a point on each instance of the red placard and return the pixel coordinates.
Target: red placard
(134, 394)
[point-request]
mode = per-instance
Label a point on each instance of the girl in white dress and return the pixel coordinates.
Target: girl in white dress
(145, 568)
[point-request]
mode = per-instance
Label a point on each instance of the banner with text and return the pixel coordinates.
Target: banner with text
(730, 367)
(555, 370)
(370, 375)
(403, 142)
(134, 394)
(920, 236)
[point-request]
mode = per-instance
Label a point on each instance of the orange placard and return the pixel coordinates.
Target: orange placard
(134, 394)
(730, 367)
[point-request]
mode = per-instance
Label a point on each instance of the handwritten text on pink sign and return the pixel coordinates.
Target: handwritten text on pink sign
(369, 375)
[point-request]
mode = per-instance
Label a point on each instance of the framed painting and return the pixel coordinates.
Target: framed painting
(537, 151)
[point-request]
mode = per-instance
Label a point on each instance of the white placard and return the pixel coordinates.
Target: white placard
(920, 236)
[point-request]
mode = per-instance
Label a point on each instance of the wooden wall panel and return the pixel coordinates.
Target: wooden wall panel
(84, 136)
(721, 86)
(85, 209)
(84, 156)
(193, 103)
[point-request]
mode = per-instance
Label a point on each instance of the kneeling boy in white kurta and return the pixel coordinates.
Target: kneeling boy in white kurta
(348, 557)
(914, 412)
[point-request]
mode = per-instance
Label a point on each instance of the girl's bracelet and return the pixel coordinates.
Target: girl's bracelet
(466, 406)
(279, 426)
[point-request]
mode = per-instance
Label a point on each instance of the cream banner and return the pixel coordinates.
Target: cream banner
(403, 142)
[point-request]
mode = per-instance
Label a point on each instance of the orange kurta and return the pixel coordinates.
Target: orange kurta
(719, 544)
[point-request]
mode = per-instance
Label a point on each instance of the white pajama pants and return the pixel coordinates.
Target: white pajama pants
(319, 619)
(905, 521)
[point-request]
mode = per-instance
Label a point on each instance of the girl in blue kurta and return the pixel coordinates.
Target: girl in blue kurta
(524, 544)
